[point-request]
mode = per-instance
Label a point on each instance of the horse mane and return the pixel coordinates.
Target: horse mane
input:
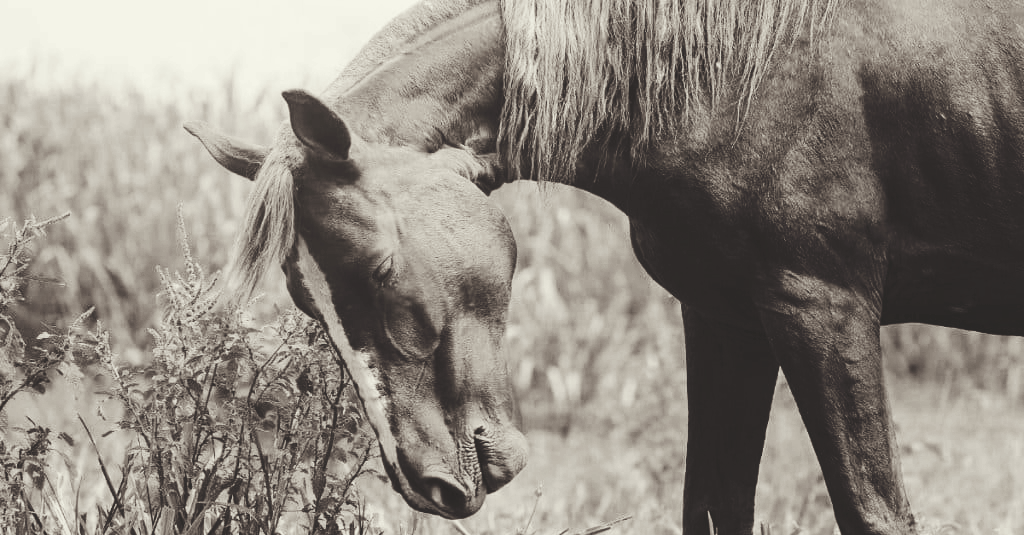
(268, 232)
(578, 74)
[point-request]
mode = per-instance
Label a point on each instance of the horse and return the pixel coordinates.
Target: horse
(797, 173)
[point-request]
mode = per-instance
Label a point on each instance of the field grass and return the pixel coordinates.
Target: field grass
(595, 347)
(963, 472)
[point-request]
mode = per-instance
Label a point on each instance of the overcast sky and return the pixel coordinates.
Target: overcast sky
(282, 43)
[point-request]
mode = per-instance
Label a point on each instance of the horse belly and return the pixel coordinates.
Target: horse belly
(956, 289)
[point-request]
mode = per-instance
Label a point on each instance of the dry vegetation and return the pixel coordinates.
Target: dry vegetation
(595, 348)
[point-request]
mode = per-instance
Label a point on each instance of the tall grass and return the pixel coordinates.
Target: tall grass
(232, 429)
(121, 164)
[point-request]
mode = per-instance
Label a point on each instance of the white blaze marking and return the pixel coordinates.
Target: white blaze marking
(357, 362)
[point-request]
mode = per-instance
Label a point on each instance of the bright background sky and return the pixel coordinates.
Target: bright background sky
(198, 43)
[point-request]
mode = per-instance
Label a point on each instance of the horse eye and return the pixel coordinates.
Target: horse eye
(384, 271)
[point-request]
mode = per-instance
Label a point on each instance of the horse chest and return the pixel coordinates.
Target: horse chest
(689, 245)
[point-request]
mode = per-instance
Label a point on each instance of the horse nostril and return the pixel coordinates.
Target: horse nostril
(446, 494)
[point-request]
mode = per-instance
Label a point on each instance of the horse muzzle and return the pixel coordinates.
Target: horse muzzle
(482, 464)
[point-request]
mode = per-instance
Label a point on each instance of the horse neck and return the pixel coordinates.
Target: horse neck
(420, 19)
(446, 81)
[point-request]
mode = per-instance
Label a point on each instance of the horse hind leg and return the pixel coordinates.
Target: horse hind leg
(731, 378)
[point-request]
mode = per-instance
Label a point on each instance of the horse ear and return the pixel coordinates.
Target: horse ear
(318, 128)
(239, 157)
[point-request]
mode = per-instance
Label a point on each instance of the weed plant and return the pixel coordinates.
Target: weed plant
(235, 429)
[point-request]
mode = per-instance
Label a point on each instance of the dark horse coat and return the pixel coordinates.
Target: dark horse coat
(797, 173)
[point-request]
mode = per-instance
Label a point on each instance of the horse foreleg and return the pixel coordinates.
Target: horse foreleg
(826, 339)
(731, 377)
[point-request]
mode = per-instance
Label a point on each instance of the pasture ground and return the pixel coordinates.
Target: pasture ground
(961, 460)
(595, 347)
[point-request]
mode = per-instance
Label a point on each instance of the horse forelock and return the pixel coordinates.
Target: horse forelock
(268, 231)
(578, 73)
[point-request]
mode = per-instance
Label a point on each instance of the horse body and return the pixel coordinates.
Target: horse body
(889, 136)
(865, 170)
(877, 179)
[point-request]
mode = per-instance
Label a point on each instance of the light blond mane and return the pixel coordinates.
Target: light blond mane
(578, 72)
(268, 232)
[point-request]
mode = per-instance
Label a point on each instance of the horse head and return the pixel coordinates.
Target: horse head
(382, 225)
(408, 267)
